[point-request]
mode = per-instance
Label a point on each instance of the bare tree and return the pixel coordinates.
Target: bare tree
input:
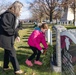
(51, 8)
(37, 10)
(51, 5)
(46, 7)
(4, 5)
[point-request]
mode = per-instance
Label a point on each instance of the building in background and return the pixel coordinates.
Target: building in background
(68, 16)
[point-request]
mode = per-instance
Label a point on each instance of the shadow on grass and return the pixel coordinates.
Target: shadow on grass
(25, 36)
(25, 41)
(26, 47)
(2, 72)
(24, 56)
(29, 32)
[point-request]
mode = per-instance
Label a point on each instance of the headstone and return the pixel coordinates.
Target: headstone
(65, 57)
(69, 55)
(58, 29)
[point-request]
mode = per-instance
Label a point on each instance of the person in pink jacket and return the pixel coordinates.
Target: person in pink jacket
(35, 39)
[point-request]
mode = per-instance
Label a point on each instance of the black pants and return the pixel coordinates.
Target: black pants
(36, 53)
(10, 55)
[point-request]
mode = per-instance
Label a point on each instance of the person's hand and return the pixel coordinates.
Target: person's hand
(18, 39)
(42, 51)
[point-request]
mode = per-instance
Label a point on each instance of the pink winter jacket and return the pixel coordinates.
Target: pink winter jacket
(36, 38)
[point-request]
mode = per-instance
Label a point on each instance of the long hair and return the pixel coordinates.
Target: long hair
(15, 8)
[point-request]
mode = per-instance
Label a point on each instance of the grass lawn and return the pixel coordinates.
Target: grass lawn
(23, 52)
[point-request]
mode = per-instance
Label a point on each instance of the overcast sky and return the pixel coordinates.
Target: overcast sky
(25, 11)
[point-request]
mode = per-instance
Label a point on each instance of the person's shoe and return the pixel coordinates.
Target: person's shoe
(19, 72)
(37, 62)
(28, 62)
(5, 69)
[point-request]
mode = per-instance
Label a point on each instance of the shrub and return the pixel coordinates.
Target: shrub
(47, 57)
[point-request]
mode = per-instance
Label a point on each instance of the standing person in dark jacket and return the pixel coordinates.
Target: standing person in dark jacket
(8, 33)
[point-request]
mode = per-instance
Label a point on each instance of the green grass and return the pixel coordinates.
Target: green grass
(23, 52)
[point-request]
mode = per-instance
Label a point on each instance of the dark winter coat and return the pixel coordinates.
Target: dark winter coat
(7, 30)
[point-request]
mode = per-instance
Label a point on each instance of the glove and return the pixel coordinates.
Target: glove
(42, 51)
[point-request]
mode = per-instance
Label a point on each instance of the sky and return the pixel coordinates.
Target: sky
(26, 14)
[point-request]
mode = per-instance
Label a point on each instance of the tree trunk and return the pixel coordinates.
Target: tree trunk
(56, 20)
(50, 16)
